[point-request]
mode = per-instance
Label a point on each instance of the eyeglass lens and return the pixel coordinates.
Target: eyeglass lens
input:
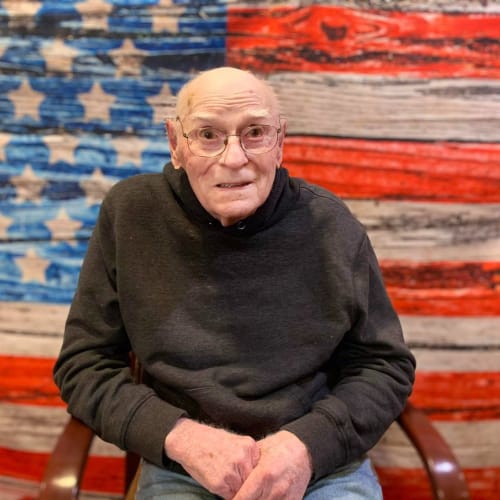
(209, 141)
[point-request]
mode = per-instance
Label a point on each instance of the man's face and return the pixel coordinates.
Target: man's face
(232, 185)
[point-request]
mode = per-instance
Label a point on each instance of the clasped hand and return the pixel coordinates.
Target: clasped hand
(238, 467)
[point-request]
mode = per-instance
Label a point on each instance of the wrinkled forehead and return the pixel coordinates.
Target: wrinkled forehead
(216, 94)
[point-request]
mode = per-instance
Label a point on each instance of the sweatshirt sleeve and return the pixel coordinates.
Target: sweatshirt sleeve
(371, 375)
(93, 370)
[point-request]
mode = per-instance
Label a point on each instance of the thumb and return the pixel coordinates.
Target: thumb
(255, 455)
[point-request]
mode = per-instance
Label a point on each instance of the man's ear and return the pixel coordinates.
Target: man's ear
(281, 140)
(173, 142)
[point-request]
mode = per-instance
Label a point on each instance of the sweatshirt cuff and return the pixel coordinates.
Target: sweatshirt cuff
(324, 440)
(147, 429)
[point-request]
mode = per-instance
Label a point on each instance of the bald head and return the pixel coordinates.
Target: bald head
(215, 86)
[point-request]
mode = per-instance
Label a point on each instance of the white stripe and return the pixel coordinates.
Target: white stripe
(405, 230)
(33, 318)
(350, 105)
(443, 360)
(31, 345)
(382, 107)
(475, 445)
(452, 331)
(429, 358)
(29, 329)
(430, 232)
(37, 429)
(16, 489)
(455, 6)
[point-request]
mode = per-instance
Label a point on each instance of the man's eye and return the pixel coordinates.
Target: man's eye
(254, 132)
(207, 134)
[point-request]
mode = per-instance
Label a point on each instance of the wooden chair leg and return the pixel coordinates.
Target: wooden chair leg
(64, 472)
(446, 477)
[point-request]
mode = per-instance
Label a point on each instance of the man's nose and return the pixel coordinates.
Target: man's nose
(234, 155)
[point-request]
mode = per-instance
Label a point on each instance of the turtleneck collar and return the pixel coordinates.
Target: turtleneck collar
(282, 196)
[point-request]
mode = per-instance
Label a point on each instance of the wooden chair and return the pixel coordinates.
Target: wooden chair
(63, 475)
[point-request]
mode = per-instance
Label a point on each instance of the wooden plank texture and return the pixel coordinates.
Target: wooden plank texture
(444, 288)
(476, 397)
(325, 104)
(475, 456)
(374, 107)
(356, 168)
(36, 329)
(431, 232)
(321, 38)
(28, 381)
(395, 106)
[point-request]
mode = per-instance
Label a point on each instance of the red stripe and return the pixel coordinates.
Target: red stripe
(341, 39)
(103, 474)
(484, 484)
(458, 396)
(397, 169)
(398, 483)
(447, 396)
(28, 380)
(444, 288)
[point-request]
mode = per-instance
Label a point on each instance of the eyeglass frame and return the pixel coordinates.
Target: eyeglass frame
(226, 140)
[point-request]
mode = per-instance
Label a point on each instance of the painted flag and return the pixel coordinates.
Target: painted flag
(394, 106)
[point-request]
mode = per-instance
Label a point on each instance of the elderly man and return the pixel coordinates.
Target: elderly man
(255, 304)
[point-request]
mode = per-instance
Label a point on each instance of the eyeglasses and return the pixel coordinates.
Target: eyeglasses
(209, 141)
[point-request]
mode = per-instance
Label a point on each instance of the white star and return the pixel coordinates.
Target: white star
(28, 186)
(161, 103)
(166, 15)
(128, 59)
(32, 266)
(94, 14)
(4, 140)
(96, 103)
(26, 100)
(5, 222)
(96, 187)
(58, 56)
(129, 150)
(21, 12)
(61, 147)
(63, 227)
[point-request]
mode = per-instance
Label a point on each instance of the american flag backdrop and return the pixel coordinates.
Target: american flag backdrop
(393, 105)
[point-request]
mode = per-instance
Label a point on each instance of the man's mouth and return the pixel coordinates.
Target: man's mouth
(232, 185)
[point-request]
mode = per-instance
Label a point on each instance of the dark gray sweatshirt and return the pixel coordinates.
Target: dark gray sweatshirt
(278, 322)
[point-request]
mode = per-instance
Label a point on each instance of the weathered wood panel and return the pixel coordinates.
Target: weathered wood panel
(477, 397)
(355, 168)
(394, 444)
(431, 232)
(444, 288)
(393, 105)
(329, 104)
(325, 104)
(36, 329)
(48, 272)
(28, 381)
(404, 230)
(320, 38)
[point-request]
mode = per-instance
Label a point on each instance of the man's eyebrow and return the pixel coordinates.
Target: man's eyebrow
(257, 113)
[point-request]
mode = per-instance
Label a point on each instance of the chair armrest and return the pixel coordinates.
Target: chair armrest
(64, 471)
(446, 477)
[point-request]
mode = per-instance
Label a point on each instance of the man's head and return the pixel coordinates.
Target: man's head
(234, 141)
